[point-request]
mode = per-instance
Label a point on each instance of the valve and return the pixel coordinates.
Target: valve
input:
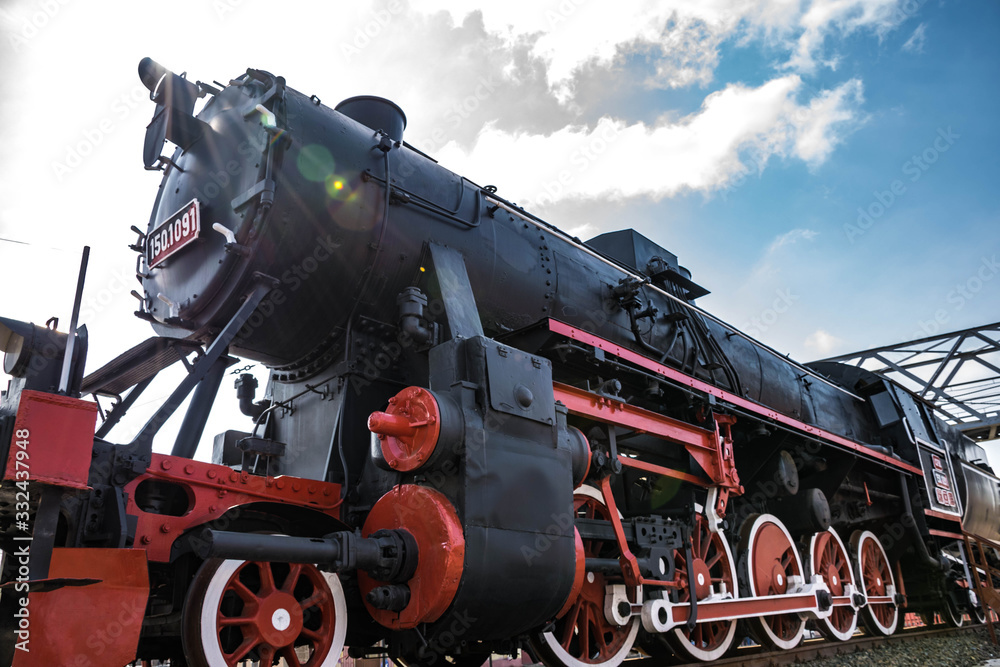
(411, 427)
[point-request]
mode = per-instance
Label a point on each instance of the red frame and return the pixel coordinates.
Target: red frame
(212, 491)
(561, 328)
(711, 449)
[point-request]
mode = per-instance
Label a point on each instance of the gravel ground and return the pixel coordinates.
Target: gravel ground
(966, 650)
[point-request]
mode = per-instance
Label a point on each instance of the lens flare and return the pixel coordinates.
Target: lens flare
(315, 163)
(337, 187)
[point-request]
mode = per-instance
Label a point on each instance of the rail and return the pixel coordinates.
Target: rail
(816, 649)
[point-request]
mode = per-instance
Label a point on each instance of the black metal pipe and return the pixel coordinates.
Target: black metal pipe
(246, 392)
(604, 565)
(277, 548)
(387, 555)
(198, 410)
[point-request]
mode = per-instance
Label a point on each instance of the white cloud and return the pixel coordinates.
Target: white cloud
(703, 152)
(791, 237)
(773, 258)
(829, 111)
(843, 17)
(915, 44)
(681, 38)
(822, 343)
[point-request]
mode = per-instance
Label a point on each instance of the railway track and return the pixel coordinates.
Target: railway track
(815, 649)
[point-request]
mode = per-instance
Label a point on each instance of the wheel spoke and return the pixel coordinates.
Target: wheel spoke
(245, 594)
(571, 623)
(229, 621)
(266, 579)
(600, 643)
(293, 578)
(311, 600)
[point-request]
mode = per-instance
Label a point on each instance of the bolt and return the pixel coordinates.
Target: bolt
(165, 528)
(212, 474)
(166, 464)
(188, 469)
(146, 539)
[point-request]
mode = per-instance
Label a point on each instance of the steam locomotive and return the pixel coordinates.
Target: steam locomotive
(480, 435)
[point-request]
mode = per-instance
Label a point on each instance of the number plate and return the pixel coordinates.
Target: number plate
(945, 497)
(179, 230)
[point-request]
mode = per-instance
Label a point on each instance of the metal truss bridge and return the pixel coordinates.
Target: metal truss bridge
(958, 373)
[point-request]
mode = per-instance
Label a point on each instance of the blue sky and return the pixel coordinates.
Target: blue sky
(743, 136)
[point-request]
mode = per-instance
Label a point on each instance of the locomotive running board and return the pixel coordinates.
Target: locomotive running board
(683, 379)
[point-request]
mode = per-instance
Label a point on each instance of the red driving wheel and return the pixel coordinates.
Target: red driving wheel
(828, 558)
(583, 635)
(714, 571)
(872, 565)
(253, 610)
(769, 560)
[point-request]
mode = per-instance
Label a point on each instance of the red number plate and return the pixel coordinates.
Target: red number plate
(945, 497)
(179, 230)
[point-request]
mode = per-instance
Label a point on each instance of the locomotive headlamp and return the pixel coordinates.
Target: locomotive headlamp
(15, 341)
